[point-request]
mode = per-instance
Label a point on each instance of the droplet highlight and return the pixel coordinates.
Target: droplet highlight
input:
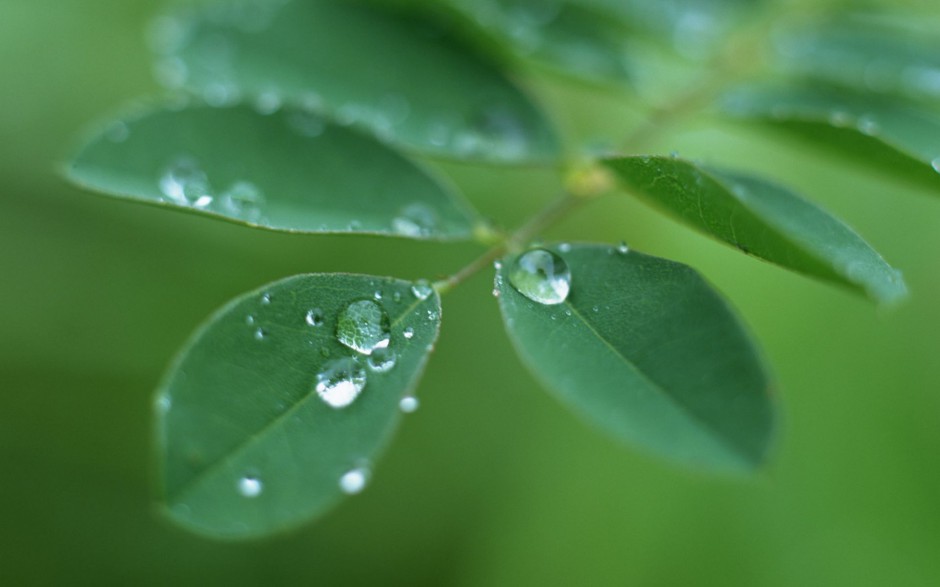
(340, 382)
(250, 486)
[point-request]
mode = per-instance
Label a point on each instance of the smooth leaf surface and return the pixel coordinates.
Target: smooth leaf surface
(763, 219)
(899, 139)
(411, 81)
(645, 349)
(247, 445)
(290, 170)
(866, 55)
(563, 36)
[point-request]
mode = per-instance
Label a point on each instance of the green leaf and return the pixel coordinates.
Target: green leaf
(562, 36)
(866, 54)
(762, 219)
(646, 350)
(899, 139)
(253, 435)
(410, 80)
(289, 170)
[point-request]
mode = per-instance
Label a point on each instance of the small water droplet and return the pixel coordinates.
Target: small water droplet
(340, 382)
(936, 164)
(184, 183)
(250, 486)
(354, 480)
(564, 247)
(382, 360)
(840, 118)
(163, 403)
(244, 200)
(363, 326)
(314, 317)
(409, 404)
(623, 248)
(377, 295)
(265, 298)
(541, 276)
(267, 103)
(415, 220)
(260, 334)
(408, 333)
(249, 319)
(118, 132)
(396, 296)
(421, 289)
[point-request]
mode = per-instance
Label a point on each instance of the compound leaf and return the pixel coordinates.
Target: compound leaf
(646, 350)
(270, 414)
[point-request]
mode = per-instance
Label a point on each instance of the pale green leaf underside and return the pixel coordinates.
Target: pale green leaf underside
(563, 36)
(762, 219)
(240, 401)
(290, 170)
(645, 349)
(409, 80)
(899, 139)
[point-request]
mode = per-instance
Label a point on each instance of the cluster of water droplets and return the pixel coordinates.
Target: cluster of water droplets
(185, 183)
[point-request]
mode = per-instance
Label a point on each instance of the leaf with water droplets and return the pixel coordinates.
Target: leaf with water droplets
(572, 39)
(897, 138)
(410, 80)
(645, 349)
(763, 219)
(272, 171)
(260, 434)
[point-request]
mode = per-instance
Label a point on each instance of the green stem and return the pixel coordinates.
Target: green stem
(548, 216)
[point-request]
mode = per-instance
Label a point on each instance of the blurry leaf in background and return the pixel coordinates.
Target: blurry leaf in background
(285, 170)
(867, 52)
(280, 402)
(567, 37)
(410, 80)
(762, 219)
(899, 139)
(645, 349)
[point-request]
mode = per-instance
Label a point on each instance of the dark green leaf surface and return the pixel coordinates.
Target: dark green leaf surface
(896, 138)
(240, 401)
(763, 219)
(289, 170)
(409, 80)
(645, 349)
(564, 36)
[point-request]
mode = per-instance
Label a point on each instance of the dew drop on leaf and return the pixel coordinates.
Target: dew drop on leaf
(623, 248)
(409, 404)
(541, 276)
(260, 334)
(363, 326)
(250, 486)
(340, 382)
(354, 480)
(184, 183)
(314, 317)
(382, 360)
(408, 333)
(421, 289)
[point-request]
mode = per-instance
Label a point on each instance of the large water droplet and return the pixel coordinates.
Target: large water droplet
(422, 289)
(340, 382)
(363, 326)
(541, 276)
(354, 480)
(250, 486)
(382, 360)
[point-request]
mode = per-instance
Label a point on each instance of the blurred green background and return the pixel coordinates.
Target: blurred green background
(491, 482)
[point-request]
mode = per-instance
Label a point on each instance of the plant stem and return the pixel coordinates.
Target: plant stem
(549, 215)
